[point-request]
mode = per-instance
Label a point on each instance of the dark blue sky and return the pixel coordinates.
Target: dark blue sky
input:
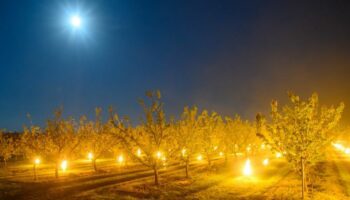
(228, 56)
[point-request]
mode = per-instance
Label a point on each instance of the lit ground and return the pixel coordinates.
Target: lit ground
(275, 181)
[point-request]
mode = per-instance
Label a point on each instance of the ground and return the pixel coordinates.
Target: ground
(223, 181)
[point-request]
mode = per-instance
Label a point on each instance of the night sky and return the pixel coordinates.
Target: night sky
(227, 56)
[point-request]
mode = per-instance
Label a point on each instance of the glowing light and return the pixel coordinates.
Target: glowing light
(164, 159)
(138, 152)
(247, 170)
(64, 165)
(159, 154)
(75, 21)
(37, 161)
(199, 157)
(216, 147)
(263, 146)
(347, 151)
(249, 149)
(183, 152)
(221, 154)
(265, 161)
(90, 156)
(339, 146)
(278, 155)
(120, 159)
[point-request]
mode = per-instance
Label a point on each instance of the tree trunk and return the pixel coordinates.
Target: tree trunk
(209, 161)
(187, 166)
(303, 189)
(56, 170)
(94, 164)
(34, 170)
(156, 181)
(5, 163)
(226, 158)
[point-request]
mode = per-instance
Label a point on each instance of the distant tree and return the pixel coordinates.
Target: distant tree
(97, 138)
(7, 147)
(32, 142)
(230, 137)
(301, 130)
(209, 134)
(151, 138)
(186, 133)
(17, 145)
(32, 145)
(61, 139)
(249, 142)
(238, 136)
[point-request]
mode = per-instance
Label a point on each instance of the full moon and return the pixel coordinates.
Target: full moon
(75, 21)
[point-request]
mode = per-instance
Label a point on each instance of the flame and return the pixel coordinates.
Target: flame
(64, 165)
(120, 159)
(347, 151)
(266, 161)
(37, 161)
(138, 152)
(183, 152)
(339, 146)
(159, 154)
(90, 156)
(247, 171)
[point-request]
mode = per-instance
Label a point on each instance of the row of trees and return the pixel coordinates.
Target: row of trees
(156, 137)
(302, 130)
